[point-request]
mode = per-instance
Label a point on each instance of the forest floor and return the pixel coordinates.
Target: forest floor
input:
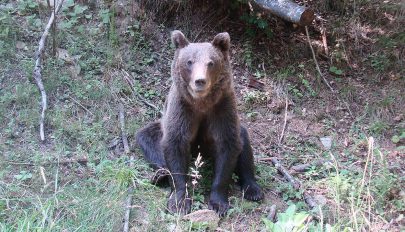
(352, 133)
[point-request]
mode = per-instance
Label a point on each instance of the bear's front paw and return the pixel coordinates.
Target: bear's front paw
(179, 204)
(252, 192)
(219, 205)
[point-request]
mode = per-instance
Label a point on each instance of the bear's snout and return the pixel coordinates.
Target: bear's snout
(200, 83)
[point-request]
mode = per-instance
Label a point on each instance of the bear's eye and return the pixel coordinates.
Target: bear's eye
(189, 62)
(210, 64)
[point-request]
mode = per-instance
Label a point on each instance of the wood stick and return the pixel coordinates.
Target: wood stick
(320, 73)
(305, 167)
(316, 61)
(128, 201)
(63, 161)
(295, 183)
(285, 122)
(37, 69)
(122, 125)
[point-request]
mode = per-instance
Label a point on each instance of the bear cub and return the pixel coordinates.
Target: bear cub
(200, 116)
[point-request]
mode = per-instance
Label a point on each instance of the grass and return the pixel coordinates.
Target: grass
(362, 189)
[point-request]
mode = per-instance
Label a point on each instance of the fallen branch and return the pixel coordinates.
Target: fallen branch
(128, 201)
(81, 160)
(305, 167)
(131, 85)
(37, 69)
(295, 183)
(322, 76)
(122, 125)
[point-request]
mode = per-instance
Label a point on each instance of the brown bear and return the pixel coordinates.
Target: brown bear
(200, 116)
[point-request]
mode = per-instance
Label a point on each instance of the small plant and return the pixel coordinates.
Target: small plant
(75, 13)
(335, 71)
(289, 221)
(247, 54)
(307, 85)
(257, 21)
(24, 175)
(27, 6)
(255, 97)
(378, 127)
(379, 62)
(397, 138)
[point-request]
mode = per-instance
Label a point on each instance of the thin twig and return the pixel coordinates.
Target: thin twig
(322, 76)
(324, 39)
(37, 69)
(285, 121)
(316, 61)
(78, 103)
(129, 81)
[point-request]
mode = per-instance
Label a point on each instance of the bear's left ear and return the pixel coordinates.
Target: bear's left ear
(179, 40)
(222, 41)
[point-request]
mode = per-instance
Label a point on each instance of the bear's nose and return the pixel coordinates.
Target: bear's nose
(200, 83)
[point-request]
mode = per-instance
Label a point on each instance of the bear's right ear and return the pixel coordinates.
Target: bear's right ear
(179, 40)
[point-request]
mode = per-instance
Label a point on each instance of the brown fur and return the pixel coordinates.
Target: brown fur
(200, 115)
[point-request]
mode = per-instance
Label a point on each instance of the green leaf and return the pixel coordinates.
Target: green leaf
(24, 175)
(335, 70)
(395, 139)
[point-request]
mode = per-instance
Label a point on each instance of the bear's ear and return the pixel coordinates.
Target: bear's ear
(222, 41)
(179, 40)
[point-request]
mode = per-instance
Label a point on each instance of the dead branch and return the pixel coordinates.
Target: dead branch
(295, 183)
(305, 167)
(285, 122)
(316, 61)
(128, 201)
(131, 85)
(79, 104)
(122, 125)
(37, 69)
(322, 76)
(80, 160)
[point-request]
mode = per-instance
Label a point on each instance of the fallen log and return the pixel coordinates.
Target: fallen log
(288, 10)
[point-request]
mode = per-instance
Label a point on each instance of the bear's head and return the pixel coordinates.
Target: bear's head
(199, 68)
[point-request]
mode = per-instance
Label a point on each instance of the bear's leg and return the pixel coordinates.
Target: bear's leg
(177, 156)
(245, 170)
(149, 139)
(225, 132)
